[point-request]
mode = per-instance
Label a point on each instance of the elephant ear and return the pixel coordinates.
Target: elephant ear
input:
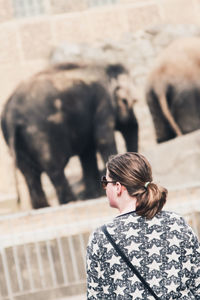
(113, 71)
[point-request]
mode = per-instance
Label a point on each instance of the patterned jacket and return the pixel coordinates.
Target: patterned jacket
(164, 250)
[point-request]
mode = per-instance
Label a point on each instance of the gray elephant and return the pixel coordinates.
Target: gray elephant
(173, 89)
(68, 110)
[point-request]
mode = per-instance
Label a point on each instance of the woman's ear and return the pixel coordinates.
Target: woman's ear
(119, 188)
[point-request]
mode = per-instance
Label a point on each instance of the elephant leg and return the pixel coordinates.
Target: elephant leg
(62, 187)
(162, 128)
(31, 170)
(91, 174)
(105, 139)
(130, 134)
(33, 180)
(187, 110)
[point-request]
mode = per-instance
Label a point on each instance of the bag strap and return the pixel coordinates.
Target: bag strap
(127, 261)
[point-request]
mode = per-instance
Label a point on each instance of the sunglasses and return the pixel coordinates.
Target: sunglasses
(104, 182)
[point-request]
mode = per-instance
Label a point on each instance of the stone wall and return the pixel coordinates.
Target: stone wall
(27, 42)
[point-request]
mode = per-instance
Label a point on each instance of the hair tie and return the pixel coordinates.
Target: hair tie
(146, 184)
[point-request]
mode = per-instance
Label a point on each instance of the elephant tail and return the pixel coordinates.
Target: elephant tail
(168, 115)
(14, 165)
(9, 132)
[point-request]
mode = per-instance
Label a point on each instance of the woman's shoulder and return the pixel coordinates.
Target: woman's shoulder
(175, 221)
(170, 217)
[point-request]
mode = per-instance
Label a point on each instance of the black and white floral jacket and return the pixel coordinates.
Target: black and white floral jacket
(164, 250)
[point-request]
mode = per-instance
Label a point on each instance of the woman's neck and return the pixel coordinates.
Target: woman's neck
(128, 206)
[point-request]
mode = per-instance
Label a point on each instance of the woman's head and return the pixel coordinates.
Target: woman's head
(134, 172)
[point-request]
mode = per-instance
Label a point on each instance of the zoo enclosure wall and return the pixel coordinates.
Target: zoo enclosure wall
(27, 42)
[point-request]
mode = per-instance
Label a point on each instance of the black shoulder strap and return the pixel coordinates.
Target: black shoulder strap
(127, 261)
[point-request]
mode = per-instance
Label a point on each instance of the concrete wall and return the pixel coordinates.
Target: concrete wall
(27, 42)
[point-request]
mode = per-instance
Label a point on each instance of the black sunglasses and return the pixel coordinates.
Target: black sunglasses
(104, 182)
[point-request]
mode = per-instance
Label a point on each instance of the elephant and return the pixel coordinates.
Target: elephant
(173, 89)
(66, 110)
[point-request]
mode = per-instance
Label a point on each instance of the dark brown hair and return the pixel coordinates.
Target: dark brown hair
(133, 171)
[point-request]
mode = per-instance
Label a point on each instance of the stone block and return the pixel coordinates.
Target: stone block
(65, 6)
(142, 16)
(36, 39)
(91, 26)
(71, 28)
(107, 23)
(9, 51)
(196, 5)
(6, 11)
(179, 11)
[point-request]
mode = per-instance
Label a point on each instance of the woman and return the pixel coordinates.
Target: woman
(159, 244)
